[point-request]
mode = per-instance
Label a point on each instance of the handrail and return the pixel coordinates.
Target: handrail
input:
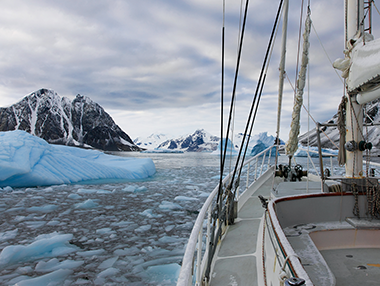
(186, 274)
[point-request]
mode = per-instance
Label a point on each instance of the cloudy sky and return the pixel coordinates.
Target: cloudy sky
(154, 65)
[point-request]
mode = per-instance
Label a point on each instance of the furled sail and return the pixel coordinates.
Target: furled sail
(361, 68)
(292, 144)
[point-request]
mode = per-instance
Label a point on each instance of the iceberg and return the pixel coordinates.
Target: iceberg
(230, 148)
(313, 151)
(256, 144)
(26, 161)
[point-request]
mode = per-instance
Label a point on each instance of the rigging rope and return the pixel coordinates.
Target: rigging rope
(341, 124)
(233, 98)
(257, 95)
(376, 7)
(320, 42)
(311, 116)
(292, 144)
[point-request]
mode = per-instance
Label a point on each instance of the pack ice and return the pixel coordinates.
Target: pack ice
(26, 160)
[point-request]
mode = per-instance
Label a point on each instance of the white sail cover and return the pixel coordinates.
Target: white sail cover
(292, 144)
(364, 72)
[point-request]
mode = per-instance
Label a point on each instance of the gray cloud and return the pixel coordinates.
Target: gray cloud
(150, 57)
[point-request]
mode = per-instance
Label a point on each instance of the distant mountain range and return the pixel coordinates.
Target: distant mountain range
(152, 141)
(81, 122)
(202, 141)
(198, 141)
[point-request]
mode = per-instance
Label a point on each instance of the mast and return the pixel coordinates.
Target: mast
(354, 26)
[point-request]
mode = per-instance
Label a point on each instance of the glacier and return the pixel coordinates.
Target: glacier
(27, 161)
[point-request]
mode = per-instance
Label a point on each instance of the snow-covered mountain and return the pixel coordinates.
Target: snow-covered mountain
(199, 141)
(80, 122)
(373, 132)
(152, 141)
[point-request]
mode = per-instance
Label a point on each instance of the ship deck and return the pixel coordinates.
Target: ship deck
(237, 258)
(338, 260)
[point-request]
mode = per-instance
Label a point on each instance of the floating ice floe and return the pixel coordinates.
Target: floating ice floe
(27, 160)
(88, 204)
(54, 278)
(164, 273)
(165, 205)
(184, 198)
(46, 245)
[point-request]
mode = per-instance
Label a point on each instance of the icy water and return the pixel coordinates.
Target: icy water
(131, 233)
(122, 233)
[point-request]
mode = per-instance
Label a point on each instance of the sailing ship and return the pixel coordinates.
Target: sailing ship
(282, 225)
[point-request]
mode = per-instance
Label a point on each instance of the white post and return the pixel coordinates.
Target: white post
(262, 164)
(199, 258)
(249, 164)
(257, 158)
(208, 228)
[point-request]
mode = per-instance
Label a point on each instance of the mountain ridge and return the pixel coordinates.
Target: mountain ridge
(201, 141)
(58, 120)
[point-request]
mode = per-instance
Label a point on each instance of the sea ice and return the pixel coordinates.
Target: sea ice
(88, 204)
(129, 189)
(108, 263)
(91, 252)
(104, 230)
(27, 160)
(74, 196)
(140, 189)
(108, 272)
(149, 213)
(45, 208)
(54, 278)
(7, 235)
(54, 264)
(143, 228)
(46, 245)
(184, 198)
(164, 273)
(165, 205)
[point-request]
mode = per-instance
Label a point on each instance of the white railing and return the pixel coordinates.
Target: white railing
(195, 243)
